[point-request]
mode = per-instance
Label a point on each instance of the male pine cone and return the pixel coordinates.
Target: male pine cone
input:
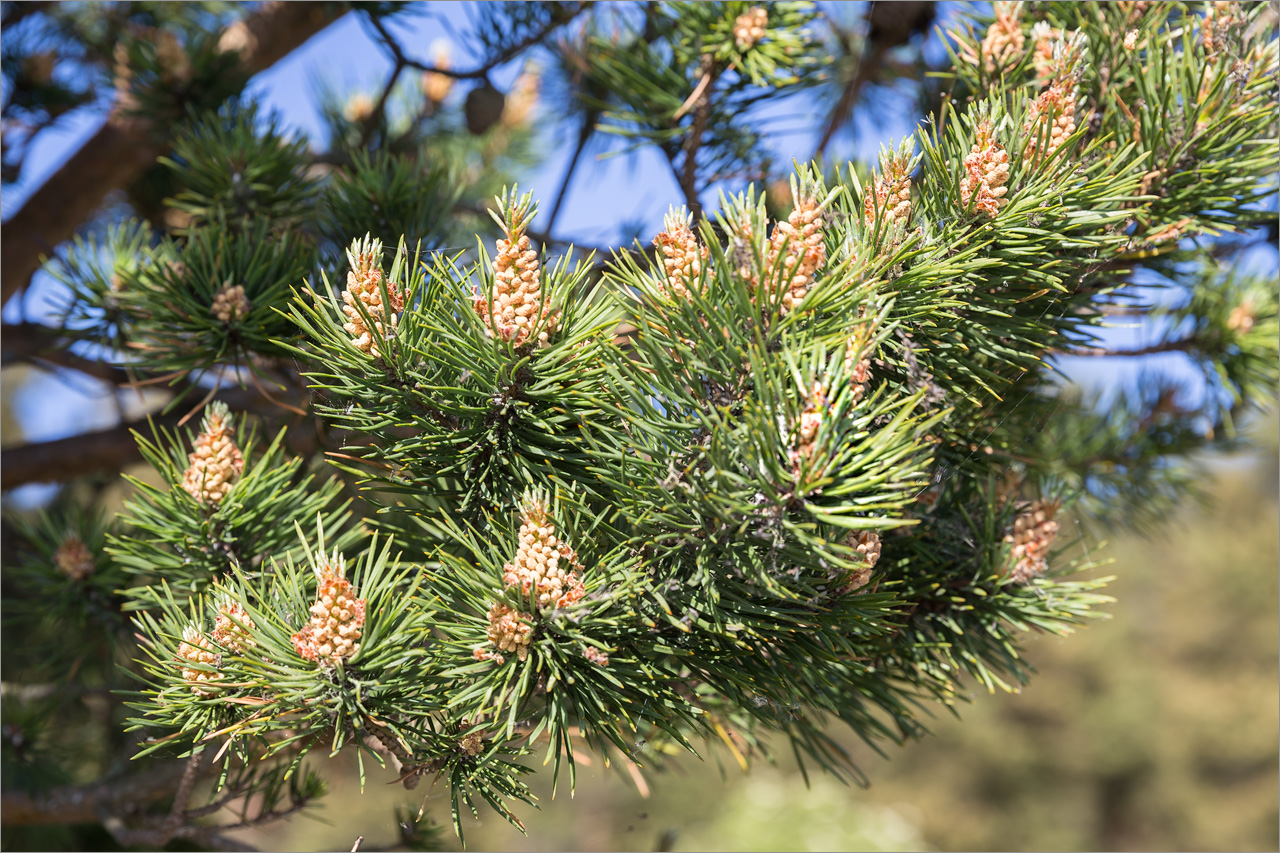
(216, 463)
(337, 618)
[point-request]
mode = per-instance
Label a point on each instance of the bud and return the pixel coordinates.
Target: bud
(337, 618)
(73, 558)
(1031, 536)
(509, 631)
(857, 359)
(357, 108)
(804, 250)
(216, 463)
(1052, 116)
(538, 570)
(364, 288)
(522, 100)
(1219, 18)
(986, 173)
(891, 194)
(195, 651)
(175, 67)
(472, 743)
(230, 304)
(682, 257)
(748, 28)
(539, 565)
(1242, 318)
(1044, 38)
(867, 544)
(232, 627)
(1051, 119)
(810, 421)
(436, 86)
(518, 306)
(1003, 44)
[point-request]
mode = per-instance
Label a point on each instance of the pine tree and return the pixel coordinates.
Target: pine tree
(801, 460)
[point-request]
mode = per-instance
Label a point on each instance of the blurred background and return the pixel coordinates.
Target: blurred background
(1157, 729)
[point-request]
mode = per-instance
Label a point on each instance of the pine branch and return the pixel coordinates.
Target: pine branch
(61, 360)
(44, 347)
(126, 145)
(20, 341)
(890, 25)
(380, 108)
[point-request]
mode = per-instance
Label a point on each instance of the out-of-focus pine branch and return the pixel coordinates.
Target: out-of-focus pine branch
(127, 144)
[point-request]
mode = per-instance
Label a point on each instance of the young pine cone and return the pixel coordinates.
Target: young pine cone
(472, 743)
(891, 194)
(73, 558)
(216, 462)
(748, 28)
(509, 631)
(538, 571)
(518, 305)
(804, 251)
(436, 86)
(364, 291)
(682, 257)
(1003, 44)
(538, 567)
(810, 422)
(857, 359)
(196, 649)
(986, 173)
(337, 619)
(1051, 119)
(232, 627)
(1032, 535)
(867, 544)
(230, 304)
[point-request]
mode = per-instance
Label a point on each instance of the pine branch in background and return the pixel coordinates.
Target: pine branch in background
(686, 78)
(124, 146)
(782, 474)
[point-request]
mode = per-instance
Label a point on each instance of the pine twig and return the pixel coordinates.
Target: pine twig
(1173, 345)
(588, 127)
(687, 175)
(482, 71)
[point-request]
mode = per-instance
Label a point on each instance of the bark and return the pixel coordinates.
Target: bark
(89, 803)
(46, 347)
(125, 146)
(67, 458)
(105, 450)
